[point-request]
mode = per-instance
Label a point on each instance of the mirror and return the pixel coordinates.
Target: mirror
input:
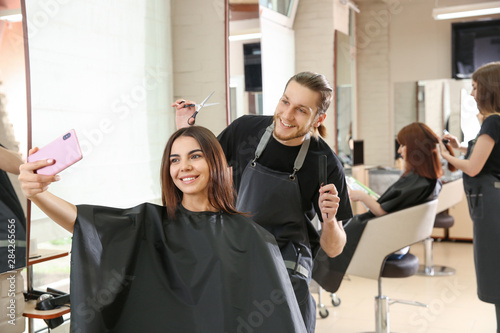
(441, 104)
(345, 100)
(245, 62)
(13, 136)
(260, 30)
(108, 77)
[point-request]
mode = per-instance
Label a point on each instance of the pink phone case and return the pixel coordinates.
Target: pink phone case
(65, 151)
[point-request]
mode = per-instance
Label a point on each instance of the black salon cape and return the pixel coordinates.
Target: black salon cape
(136, 270)
(409, 190)
(12, 227)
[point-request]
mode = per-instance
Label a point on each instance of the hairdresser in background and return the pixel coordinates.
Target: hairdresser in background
(481, 168)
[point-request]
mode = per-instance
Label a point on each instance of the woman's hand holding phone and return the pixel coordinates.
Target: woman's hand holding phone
(32, 183)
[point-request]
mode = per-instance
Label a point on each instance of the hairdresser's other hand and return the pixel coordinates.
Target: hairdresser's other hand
(328, 202)
(453, 141)
(333, 237)
(182, 113)
(33, 184)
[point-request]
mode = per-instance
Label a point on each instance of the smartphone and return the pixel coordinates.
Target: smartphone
(65, 151)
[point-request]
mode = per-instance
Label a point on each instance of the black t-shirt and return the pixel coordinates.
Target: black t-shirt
(239, 142)
(491, 127)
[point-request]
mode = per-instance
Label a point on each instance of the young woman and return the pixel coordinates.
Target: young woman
(192, 265)
(481, 168)
(419, 183)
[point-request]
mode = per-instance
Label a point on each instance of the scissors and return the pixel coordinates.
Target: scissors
(192, 119)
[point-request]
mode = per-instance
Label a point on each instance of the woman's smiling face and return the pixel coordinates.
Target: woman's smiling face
(188, 167)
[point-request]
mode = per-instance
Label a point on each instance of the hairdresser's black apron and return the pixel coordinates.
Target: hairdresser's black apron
(273, 199)
(483, 197)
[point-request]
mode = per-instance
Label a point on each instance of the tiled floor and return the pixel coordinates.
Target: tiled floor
(452, 300)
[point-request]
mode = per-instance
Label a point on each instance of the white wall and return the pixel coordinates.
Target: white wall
(104, 69)
(314, 47)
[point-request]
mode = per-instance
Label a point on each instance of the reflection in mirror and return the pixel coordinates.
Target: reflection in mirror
(443, 104)
(13, 137)
(447, 104)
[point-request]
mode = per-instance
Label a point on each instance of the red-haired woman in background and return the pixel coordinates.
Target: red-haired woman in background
(419, 148)
(420, 179)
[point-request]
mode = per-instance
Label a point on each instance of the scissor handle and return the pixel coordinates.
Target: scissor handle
(192, 119)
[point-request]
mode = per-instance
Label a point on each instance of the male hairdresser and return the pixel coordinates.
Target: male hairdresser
(275, 163)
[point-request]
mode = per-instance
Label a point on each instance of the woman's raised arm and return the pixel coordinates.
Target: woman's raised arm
(34, 187)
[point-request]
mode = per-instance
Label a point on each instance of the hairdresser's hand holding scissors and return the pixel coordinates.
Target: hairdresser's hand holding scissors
(187, 111)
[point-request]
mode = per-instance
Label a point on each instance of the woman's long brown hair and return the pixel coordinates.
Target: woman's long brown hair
(422, 155)
(487, 78)
(221, 193)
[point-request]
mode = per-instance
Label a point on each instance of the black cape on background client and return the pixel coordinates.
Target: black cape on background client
(408, 191)
(205, 272)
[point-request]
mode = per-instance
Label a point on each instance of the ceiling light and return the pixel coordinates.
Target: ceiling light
(11, 15)
(478, 9)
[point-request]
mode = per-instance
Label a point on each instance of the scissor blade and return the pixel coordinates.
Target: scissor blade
(202, 104)
(210, 104)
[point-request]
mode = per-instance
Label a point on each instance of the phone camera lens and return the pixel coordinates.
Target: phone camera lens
(66, 136)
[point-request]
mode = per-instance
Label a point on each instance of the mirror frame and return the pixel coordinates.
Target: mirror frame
(28, 120)
(226, 66)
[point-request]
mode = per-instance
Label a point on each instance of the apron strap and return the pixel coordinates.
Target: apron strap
(301, 156)
(299, 161)
(297, 268)
(263, 142)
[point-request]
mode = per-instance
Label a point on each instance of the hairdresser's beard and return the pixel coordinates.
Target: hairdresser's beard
(290, 136)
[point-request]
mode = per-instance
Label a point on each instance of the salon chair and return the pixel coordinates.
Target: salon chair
(383, 236)
(450, 195)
